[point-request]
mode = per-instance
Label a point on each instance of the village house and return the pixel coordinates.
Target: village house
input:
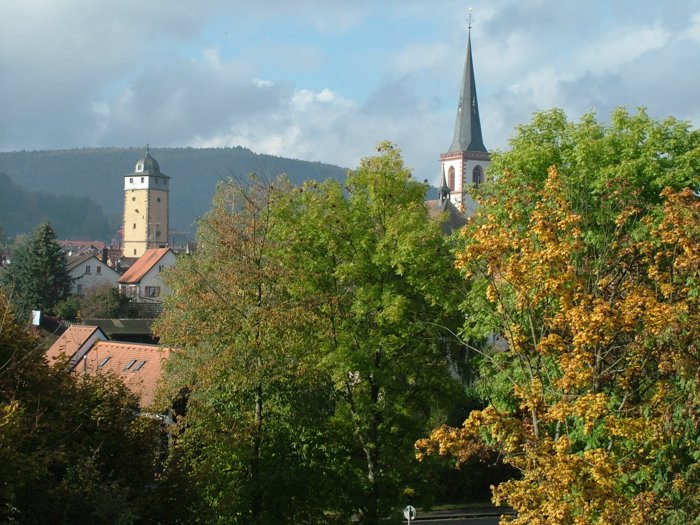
(142, 281)
(87, 271)
(87, 351)
(74, 343)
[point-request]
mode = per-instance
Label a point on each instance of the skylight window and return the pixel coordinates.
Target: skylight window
(129, 364)
(139, 366)
(103, 362)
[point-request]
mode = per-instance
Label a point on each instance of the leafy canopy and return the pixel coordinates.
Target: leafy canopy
(585, 259)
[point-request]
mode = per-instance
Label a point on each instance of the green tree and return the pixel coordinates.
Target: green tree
(38, 277)
(98, 302)
(378, 278)
(585, 258)
(71, 450)
(254, 437)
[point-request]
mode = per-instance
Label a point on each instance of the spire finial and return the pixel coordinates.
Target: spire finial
(469, 20)
(147, 147)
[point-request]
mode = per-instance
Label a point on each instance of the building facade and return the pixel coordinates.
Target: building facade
(142, 282)
(465, 162)
(146, 208)
(87, 271)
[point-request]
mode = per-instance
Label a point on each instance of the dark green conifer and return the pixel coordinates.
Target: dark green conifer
(37, 278)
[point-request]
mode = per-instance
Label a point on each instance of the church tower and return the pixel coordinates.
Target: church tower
(465, 162)
(145, 208)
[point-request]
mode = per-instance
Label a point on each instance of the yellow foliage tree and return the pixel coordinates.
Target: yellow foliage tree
(593, 394)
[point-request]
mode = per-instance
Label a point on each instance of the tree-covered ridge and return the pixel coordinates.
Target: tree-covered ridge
(74, 217)
(98, 174)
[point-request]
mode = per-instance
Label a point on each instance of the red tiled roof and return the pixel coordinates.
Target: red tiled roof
(142, 266)
(139, 366)
(70, 342)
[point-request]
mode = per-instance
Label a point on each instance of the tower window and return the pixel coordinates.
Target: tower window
(134, 226)
(158, 199)
(131, 179)
(451, 177)
(477, 176)
(134, 251)
(141, 179)
(133, 198)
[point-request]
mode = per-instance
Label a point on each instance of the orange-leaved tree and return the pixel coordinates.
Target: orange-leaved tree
(589, 273)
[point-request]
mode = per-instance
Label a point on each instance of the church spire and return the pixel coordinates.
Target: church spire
(444, 190)
(467, 134)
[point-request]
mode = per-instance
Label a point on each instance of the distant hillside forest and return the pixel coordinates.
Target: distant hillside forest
(72, 217)
(90, 182)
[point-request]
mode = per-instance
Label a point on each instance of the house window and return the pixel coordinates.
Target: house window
(87, 270)
(152, 291)
(477, 176)
(451, 177)
(128, 289)
(98, 270)
(79, 288)
(161, 267)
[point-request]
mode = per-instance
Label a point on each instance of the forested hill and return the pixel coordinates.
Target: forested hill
(72, 217)
(98, 173)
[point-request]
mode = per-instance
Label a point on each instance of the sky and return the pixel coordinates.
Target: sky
(325, 80)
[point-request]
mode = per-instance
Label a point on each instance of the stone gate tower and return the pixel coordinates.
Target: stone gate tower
(145, 208)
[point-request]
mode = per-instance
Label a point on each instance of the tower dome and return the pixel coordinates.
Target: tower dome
(147, 165)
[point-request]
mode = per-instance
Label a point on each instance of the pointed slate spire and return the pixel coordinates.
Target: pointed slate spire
(467, 135)
(444, 190)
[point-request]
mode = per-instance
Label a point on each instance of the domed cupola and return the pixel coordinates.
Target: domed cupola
(147, 165)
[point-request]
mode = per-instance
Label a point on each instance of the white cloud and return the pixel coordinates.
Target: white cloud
(621, 46)
(692, 32)
(352, 73)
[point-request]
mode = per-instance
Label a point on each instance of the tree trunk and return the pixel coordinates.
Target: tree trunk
(256, 502)
(372, 451)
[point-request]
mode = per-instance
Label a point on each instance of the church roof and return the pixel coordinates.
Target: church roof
(467, 134)
(454, 221)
